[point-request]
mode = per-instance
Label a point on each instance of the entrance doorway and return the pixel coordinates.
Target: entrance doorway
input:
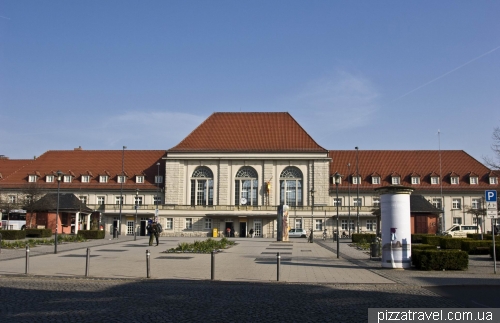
(229, 225)
(257, 228)
(243, 229)
(144, 224)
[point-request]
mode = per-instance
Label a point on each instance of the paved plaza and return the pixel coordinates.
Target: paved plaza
(314, 284)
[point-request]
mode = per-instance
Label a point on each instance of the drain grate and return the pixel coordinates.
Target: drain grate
(112, 250)
(279, 248)
(305, 251)
(175, 258)
(272, 260)
(273, 253)
(80, 256)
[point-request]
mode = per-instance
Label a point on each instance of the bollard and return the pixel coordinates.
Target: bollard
(115, 233)
(0, 243)
(27, 269)
(135, 236)
(278, 260)
(148, 264)
(212, 273)
(87, 265)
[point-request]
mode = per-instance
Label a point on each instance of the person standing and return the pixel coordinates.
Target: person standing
(153, 233)
(251, 233)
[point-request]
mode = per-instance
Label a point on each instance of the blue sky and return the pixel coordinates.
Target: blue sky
(144, 74)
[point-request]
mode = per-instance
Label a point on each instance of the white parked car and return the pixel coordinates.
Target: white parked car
(297, 233)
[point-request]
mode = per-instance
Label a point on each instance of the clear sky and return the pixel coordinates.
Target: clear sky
(143, 74)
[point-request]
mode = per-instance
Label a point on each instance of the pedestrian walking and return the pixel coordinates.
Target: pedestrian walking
(153, 233)
(251, 233)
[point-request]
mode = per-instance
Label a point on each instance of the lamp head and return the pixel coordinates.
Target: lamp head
(312, 191)
(337, 177)
(59, 175)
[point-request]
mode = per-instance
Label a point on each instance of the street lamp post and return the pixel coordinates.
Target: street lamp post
(136, 207)
(121, 191)
(349, 198)
(357, 189)
(59, 178)
(337, 182)
(157, 189)
(312, 215)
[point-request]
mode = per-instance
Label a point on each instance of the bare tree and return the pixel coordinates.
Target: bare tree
(479, 212)
(494, 163)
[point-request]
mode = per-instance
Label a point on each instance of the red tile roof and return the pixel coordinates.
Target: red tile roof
(407, 163)
(10, 166)
(249, 132)
(90, 162)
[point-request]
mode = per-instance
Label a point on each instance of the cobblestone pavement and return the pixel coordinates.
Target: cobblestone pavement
(39, 299)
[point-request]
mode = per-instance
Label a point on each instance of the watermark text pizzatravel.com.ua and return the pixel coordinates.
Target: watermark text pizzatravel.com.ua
(433, 315)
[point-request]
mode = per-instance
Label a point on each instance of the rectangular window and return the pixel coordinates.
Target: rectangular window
(477, 221)
(208, 224)
(189, 224)
(474, 180)
(457, 220)
(351, 224)
(436, 201)
(456, 203)
(434, 180)
(103, 179)
(375, 180)
(319, 225)
(157, 200)
(158, 179)
(493, 180)
(356, 180)
(415, 180)
(138, 200)
(396, 180)
(49, 179)
(376, 201)
(130, 228)
(85, 178)
(118, 200)
(32, 178)
(298, 223)
(343, 224)
(170, 224)
(121, 179)
(139, 179)
(337, 201)
(371, 225)
(358, 201)
(12, 199)
(67, 178)
(476, 203)
(83, 199)
(101, 200)
(454, 180)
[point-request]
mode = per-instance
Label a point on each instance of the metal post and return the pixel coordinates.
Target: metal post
(357, 189)
(494, 249)
(87, 264)
(212, 272)
(121, 190)
(27, 269)
(115, 233)
(338, 236)
(349, 198)
(0, 243)
(136, 206)
(59, 174)
(278, 260)
(148, 263)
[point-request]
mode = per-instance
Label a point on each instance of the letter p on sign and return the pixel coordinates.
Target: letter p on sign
(491, 196)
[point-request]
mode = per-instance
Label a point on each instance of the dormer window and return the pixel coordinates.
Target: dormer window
(103, 179)
(415, 180)
(49, 178)
(493, 180)
(454, 180)
(434, 180)
(32, 178)
(473, 180)
(396, 180)
(121, 179)
(67, 178)
(375, 180)
(85, 178)
(356, 180)
(139, 179)
(158, 179)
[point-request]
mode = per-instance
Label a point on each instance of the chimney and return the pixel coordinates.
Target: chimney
(79, 148)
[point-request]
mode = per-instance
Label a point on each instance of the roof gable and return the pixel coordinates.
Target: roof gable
(249, 132)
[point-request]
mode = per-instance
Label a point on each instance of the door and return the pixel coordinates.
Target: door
(144, 223)
(243, 229)
(130, 228)
(257, 224)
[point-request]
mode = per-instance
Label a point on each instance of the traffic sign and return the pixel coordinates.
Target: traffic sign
(490, 195)
(491, 203)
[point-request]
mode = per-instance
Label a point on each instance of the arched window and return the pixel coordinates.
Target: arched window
(202, 186)
(245, 187)
(291, 186)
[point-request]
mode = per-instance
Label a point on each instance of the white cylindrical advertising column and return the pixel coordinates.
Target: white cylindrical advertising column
(396, 226)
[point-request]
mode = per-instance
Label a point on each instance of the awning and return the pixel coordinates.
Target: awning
(241, 215)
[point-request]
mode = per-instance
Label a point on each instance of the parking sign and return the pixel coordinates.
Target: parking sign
(491, 203)
(491, 196)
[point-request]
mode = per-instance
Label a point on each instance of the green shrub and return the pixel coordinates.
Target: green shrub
(39, 233)
(13, 234)
(92, 234)
(476, 247)
(363, 237)
(477, 236)
(431, 239)
(440, 259)
(417, 237)
(422, 247)
(206, 246)
(497, 251)
(452, 243)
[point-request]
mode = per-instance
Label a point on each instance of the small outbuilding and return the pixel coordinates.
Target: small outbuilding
(424, 215)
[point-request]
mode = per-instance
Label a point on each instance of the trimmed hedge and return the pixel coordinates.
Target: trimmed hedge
(417, 237)
(91, 234)
(422, 247)
(477, 236)
(39, 233)
(440, 259)
(497, 251)
(452, 243)
(433, 240)
(13, 234)
(477, 247)
(363, 237)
